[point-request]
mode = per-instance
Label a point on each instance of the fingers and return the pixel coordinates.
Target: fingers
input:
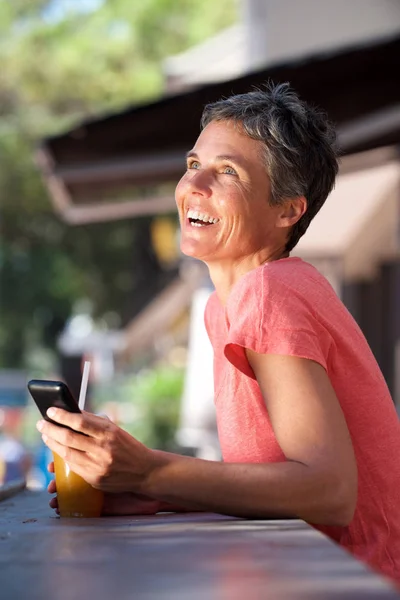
(71, 455)
(84, 454)
(50, 467)
(54, 505)
(52, 488)
(84, 422)
(64, 436)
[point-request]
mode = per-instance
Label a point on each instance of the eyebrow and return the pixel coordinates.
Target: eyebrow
(220, 158)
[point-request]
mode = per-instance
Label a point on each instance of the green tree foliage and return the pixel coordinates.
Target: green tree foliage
(62, 61)
(148, 404)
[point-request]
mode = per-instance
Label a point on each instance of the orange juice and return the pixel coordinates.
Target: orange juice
(76, 498)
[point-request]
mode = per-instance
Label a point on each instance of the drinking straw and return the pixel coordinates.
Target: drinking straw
(84, 383)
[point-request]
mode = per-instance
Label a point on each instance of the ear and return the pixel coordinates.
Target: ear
(292, 211)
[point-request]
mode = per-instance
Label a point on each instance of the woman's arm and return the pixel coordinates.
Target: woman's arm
(318, 481)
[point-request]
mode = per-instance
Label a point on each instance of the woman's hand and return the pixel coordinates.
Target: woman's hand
(52, 489)
(125, 503)
(106, 456)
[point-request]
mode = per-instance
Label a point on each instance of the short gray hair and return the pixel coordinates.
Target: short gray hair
(301, 153)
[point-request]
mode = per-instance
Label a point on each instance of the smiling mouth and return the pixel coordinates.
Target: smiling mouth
(197, 219)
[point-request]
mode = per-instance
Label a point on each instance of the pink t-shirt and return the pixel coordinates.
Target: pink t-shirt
(288, 307)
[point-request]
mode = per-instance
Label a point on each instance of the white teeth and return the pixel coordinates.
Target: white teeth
(194, 214)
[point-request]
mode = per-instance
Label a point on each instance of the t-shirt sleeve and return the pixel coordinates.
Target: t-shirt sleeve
(267, 316)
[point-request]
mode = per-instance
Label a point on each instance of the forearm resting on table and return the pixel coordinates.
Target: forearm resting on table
(169, 507)
(273, 490)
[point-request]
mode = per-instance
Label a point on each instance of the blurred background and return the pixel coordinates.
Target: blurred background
(99, 102)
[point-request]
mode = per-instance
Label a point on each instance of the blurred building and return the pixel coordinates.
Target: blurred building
(277, 32)
(343, 56)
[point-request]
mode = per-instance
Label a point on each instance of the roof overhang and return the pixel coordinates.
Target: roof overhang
(111, 167)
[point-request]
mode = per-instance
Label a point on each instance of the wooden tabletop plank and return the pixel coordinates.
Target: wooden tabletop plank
(194, 556)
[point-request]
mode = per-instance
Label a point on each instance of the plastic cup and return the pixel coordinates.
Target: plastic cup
(76, 497)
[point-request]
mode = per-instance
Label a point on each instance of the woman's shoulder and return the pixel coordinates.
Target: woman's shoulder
(290, 274)
(293, 273)
(284, 286)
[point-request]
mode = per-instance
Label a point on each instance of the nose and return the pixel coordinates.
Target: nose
(200, 183)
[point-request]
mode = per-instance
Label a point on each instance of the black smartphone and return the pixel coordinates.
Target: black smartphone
(52, 393)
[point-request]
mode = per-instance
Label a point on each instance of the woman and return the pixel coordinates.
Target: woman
(306, 424)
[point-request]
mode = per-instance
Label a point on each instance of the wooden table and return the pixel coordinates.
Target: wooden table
(170, 556)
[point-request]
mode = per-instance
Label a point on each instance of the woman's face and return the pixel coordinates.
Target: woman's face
(223, 198)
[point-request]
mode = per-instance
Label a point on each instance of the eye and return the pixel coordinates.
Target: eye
(193, 164)
(229, 171)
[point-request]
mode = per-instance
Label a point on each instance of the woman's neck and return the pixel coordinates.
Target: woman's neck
(224, 274)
